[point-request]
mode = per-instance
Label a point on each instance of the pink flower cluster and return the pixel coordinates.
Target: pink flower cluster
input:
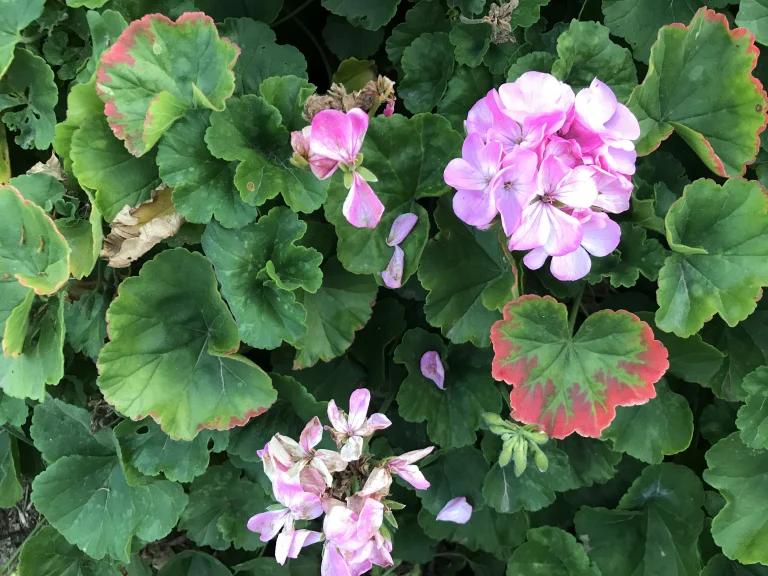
(333, 141)
(553, 165)
(310, 482)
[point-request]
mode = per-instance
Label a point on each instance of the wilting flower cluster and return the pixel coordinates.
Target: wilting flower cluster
(348, 486)
(552, 165)
(332, 141)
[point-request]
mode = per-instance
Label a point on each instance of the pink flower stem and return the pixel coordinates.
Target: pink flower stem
(575, 308)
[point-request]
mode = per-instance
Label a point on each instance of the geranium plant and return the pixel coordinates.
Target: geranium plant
(388, 287)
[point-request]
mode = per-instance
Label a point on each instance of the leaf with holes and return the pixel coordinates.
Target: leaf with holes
(172, 349)
(572, 383)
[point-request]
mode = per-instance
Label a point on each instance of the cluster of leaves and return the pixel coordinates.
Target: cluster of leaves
(133, 400)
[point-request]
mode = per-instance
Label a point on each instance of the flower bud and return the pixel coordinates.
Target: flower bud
(541, 460)
(538, 437)
(506, 452)
(493, 419)
(499, 430)
(521, 457)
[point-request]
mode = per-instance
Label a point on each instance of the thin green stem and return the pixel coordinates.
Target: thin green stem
(319, 48)
(464, 20)
(8, 566)
(575, 308)
(582, 9)
(292, 13)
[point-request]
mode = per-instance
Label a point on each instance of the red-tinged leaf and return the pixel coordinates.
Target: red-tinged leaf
(572, 383)
(157, 69)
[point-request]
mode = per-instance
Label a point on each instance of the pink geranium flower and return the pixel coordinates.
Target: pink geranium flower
(299, 505)
(339, 136)
(471, 175)
(348, 431)
(405, 467)
(601, 235)
(544, 223)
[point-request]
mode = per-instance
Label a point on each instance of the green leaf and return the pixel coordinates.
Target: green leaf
(85, 238)
(639, 24)
(718, 420)
(101, 163)
(635, 255)
(453, 415)
(690, 359)
(548, 551)
(288, 94)
(28, 94)
(467, 7)
(17, 15)
(10, 487)
(655, 528)
(259, 267)
(31, 248)
(47, 553)
(193, 563)
(425, 16)
(203, 186)
(335, 312)
(752, 16)
(215, 499)
(105, 28)
(753, 414)
(16, 326)
(184, 64)
(264, 10)
(86, 323)
(720, 238)
(458, 472)
(92, 4)
(428, 65)
(718, 115)
(260, 56)
(651, 431)
(464, 306)
(60, 429)
(527, 13)
(82, 102)
(408, 157)
(250, 130)
(533, 490)
(533, 62)
(355, 74)
(12, 410)
(586, 52)
(471, 42)
(590, 460)
(719, 565)
(572, 383)
(737, 471)
(368, 14)
(152, 452)
(41, 361)
(347, 41)
(42, 189)
(466, 86)
(157, 507)
(171, 354)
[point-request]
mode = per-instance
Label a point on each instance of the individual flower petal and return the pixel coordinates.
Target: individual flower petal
(311, 435)
(543, 225)
(268, 524)
(514, 186)
(596, 108)
(413, 456)
(480, 116)
(577, 188)
(334, 563)
(300, 142)
(432, 368)
(306, 506)
(375, 422)
(535, 258)
(313, 481)
(401, 227)
(302, 538)
(457, 510)
(404, 467)
(572, 266)
(614, 191)
(332, 460)
(337, 418)
(370, 519)
(377, 485)
(352, 449)
(537, 93)
(337, 135)
(601, 234)
(358, 408)
(362, 208)
(283, 544)
(393, 273)
(475, 207)
(477, 166)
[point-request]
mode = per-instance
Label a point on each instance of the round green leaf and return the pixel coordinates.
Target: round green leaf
(42, 189)
(408, 156)
(193, 563)
(568, 383)
(651, 431)
(464, 306)
(655, 529)
(752, 16)
(48, 553)
(738, 472)
(288, 94)
(719, 565)
(10, 487)
(86, 323)
(527, 13)
(428, 65)
(260, 56)
(548, 551)
(591, 461)
(425, 16)
(172, 351)
(12, 410)
(586, 52)
(203, 185)
(182, 64)
(720, 239)
(533, 62)
(31, 248)
(84, 238)
(17, 15)
(753, 416)
(719, 115)
(346, 40)
(454, 414)
(82, 102)
(471, 42)
(101, 163)
(259, 267)
(335, 312)
(368, 14)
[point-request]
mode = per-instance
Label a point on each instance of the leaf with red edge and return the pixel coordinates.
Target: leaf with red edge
(157, 69)
(172, 349)
(572, 383)
(700, 85)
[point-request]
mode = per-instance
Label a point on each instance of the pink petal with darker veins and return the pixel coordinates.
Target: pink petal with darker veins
(362, 208)
(432, 368)
(358, 408)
